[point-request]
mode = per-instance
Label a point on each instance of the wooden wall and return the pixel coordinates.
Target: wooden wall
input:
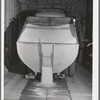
(87, 59)
(72, 7)
(12, 31)
(12, 9)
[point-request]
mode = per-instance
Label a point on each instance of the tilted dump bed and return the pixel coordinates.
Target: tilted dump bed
(55, 36)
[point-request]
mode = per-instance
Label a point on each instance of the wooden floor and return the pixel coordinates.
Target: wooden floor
(78, 87)
(36, 91)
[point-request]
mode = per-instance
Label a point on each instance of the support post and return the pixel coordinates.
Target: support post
(71, 69)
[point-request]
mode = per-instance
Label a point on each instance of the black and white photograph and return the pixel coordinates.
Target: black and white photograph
(49, 50)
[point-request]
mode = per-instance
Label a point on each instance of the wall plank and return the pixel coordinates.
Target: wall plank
(72, 7)
(12, 9)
